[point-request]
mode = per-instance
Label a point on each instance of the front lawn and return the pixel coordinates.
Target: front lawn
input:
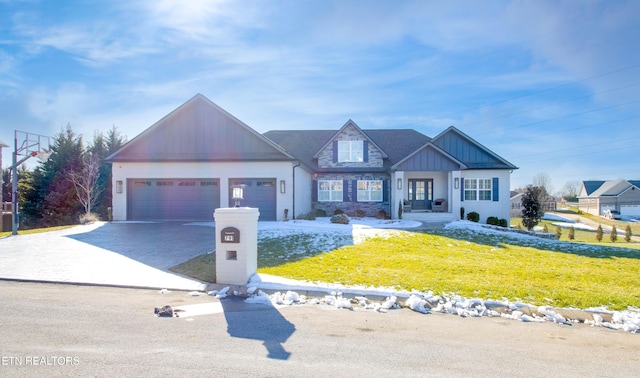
(470, 264)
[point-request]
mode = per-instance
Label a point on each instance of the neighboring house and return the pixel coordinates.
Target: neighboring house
(549, 204)
(185, 165)
(622, 195)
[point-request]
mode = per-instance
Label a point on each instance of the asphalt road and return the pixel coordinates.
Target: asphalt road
(67, 330)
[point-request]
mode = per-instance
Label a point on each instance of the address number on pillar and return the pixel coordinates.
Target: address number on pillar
(230, 235)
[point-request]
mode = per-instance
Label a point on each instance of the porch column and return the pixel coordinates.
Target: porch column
(398, 190)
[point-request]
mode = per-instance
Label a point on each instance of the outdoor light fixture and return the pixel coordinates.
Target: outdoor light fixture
(399, 183)
(282, 186)
(456, 183)
(237, 194)
(118, 186)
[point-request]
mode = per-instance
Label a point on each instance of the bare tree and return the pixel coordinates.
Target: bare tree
(543, 181)
(570, 189)
(85, 181)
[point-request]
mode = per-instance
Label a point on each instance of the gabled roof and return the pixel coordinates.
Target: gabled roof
(610, 188)
(591, 186)
(303, 144)
(349, 123)
(3, 144)
(199, 130)
(429, 158)
(468, 151)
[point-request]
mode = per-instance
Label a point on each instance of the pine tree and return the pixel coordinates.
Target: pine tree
(545, 229)
(558, 232)
(599, 233)
(572, 233)
(627, 234)
(614, 235)
(531, 209)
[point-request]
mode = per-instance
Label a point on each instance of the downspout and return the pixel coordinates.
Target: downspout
(293, 208)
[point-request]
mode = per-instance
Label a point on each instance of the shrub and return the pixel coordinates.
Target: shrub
(359, 213)
(462, 213)
(320, 213)
(338, 211)
(545, 229)
(308, 216)
(627, 234)
(400, 210)
(88, 218)
(599, 233)
(558, 232)
(473, 216)
(382, 215)
(493, 221)
(572, 233)
(614, 235)
(340, 218)
(503, 222)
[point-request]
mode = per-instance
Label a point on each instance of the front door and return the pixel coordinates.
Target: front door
(420, 194)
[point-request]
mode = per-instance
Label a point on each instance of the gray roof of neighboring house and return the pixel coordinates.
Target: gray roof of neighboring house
(304, 144)
(611, 188)
(3, 144)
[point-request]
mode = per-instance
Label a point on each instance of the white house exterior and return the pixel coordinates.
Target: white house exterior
(185, 165)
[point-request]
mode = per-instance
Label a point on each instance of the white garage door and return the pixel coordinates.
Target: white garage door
(630, 210)
(172, 199)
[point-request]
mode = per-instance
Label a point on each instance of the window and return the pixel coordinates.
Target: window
(330, 190)
(369, 190)
(350, 151)
(477, 189)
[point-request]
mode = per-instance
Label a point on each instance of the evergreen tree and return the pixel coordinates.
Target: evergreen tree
(103, 147)
(545, 229)
(613, 236)
(52, 200)
(627, 234)
(531, 209)
(572, 233)
(599, 233)
(558, 232)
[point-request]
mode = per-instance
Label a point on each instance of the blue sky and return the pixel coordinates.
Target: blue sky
(552, 86)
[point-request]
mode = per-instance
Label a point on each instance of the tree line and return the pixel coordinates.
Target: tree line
(73, 185)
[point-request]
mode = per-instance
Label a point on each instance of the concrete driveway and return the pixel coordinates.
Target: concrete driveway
(118, 254)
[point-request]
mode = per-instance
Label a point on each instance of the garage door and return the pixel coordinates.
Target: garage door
(172, 199)
(260, 193)
(630, 210)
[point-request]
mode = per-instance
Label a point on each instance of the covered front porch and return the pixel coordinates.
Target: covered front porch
(428, 196)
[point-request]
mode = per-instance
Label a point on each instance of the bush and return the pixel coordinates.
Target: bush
(473, 216)
(493, 221)
(545, 229)
(572, 233)
(340, 218)
(308, 216)
(627, 234)
(338, 211)
(88, 218)
(382, 215)
(614, 235)
(462, 213)
(400, 210)
(558, 232)
(320, 213)
(503, 222)
(599, 233)
(359, 213)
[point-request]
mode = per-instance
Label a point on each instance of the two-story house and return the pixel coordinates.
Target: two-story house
(185, 166)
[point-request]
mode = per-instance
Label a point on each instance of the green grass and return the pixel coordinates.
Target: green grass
(36, 230)
(487, 266)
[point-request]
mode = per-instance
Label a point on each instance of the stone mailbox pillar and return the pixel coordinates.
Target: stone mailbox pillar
(236, 244)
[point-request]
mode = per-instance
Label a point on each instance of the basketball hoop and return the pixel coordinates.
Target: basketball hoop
(43, 155)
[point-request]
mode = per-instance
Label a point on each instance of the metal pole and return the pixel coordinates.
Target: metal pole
(14, 189)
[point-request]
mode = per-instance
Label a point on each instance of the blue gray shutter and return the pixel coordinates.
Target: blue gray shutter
(335, 151)
(385, 191)
(365, 151)
(462, 189)
(496, 189)
(314, 191)
(345, 191)
(354, 190)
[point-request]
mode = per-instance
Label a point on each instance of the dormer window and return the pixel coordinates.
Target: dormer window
(350, 151)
